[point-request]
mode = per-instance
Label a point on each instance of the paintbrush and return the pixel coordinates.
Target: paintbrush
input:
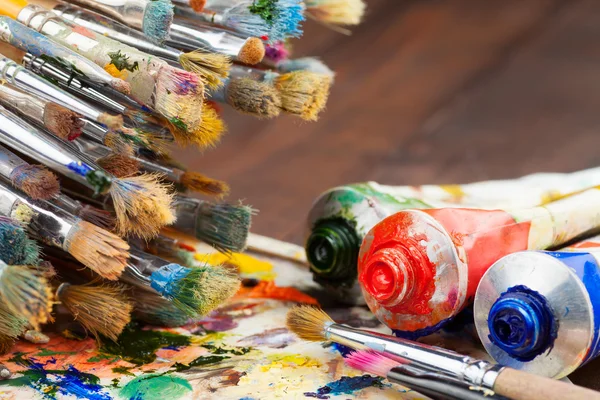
(211, 66)
(302, 93)
(276, 52)
(172, 249)
(35, 180)
(16, 248)
(190, 180)
(12, 325)
(336, 12)
(312, 324)
(425, 382)
(30, 83)
(115, 102)
(97, 249)
(310, 64)
(189, 37)
(153, 17)
(101, 218)
(142, 203)
(153, 309)
(273, 20)
(249, 96)
(116, 164)
(56, 119)
(172, 92)
(224, 226)
(21, 37)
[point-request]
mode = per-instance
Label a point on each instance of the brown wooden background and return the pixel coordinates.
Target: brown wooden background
(426, 92)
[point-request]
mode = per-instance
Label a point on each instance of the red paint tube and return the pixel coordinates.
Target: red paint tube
(419, 268)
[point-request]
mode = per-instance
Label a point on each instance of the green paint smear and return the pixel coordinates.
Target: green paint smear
(156, 387)
(115, 383)
(139, 346)
(238, 351)
(122, 371)
(101, 357)
(266, 9)
(198, 362)
(121, 61)
(179, 124)
(45, 353)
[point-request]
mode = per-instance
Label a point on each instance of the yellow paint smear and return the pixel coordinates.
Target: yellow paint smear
(289, 361)
(455, 190)
(113, 71)
(211, 337)
(248, 266)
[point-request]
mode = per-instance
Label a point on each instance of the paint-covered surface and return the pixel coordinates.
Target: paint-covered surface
(242, 350)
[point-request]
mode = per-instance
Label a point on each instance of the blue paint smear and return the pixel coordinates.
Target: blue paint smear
(344, 350)
(73, 382)
(79, 168)
(414, 335)
(346, 385)
(176, 348)
(165, 279)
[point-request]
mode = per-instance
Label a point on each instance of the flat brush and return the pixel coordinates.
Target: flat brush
(36, 181)
(21, 37)
(58, 120)
(190, 180)
(103, 310)
(170, 91)
(97, 249)
(224, 226)
(153, 17)
(189, 37)
(429, 383)
(142, 203)
(30, 83)
(274, 20)
(312, 324)
(336, 12)
(211, 66)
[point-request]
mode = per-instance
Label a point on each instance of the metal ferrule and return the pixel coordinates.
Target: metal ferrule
(23, 103)
(464, 368)
(27, 139)
(49, 223)
(187, 210)
(27, 81)
(129, 12)
(114, 30)
(8, 162)
(210, 17)
(67, 204)
(74, 85)
(94, 131)
(162, 245)
(172, 174)
(139, 268)
(29, 40)
(189, 36)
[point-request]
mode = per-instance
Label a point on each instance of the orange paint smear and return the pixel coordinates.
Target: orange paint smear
(268, 290)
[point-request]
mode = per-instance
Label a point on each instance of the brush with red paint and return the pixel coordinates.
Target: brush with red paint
(419, 268)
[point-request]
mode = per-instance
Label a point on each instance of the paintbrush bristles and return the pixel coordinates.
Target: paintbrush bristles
(199, 183)
(252, 52)
(36, 181)
(26, 292)
(119, 165)
(371, 362)
(197, 5)
(102, 310)
(62, 122)
(16, 248)
(252, 97)
(179, 96)
(111, 121)
(118, 144)
(158, 17)
(341, 12)
(213, 67)
(154, 309)
(142, 205)
(308, 322)
(101, 218)
(303, 93)
(99, 250)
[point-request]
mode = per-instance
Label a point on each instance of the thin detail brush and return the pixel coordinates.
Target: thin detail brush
(313, 324)
(30, 83)
(191, 37)
(36, 181)
(211, 66)
(103, 310)
(142, 203)
(224, 226)
(28, 40)
(172, 92)
(153, 17)
(97, 249)
(57, 119)
(195, 291)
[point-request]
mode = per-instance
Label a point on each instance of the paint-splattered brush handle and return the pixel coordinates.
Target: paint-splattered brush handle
(28, 40)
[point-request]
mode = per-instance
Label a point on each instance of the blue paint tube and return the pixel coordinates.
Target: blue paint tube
(539, 311)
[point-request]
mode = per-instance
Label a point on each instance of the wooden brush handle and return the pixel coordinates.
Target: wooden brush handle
(520, 385)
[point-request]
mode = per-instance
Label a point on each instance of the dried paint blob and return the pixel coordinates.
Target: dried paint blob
(156, 387)
(346, 385)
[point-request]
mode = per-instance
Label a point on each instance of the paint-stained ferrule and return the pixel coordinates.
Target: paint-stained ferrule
(539, 311)
(166, 279)
(99, 180)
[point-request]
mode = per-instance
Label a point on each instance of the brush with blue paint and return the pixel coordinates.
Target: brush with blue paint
(142, 203)
(115, 163)
(274, 20)
(21, 37)
(211, 66)
(480, 377)
(224, 226)
(153, 17)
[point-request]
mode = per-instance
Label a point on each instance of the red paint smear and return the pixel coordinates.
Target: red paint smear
(485, 235)
(187, 247)
(268, 290)
(588, 244)
(83, 31)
